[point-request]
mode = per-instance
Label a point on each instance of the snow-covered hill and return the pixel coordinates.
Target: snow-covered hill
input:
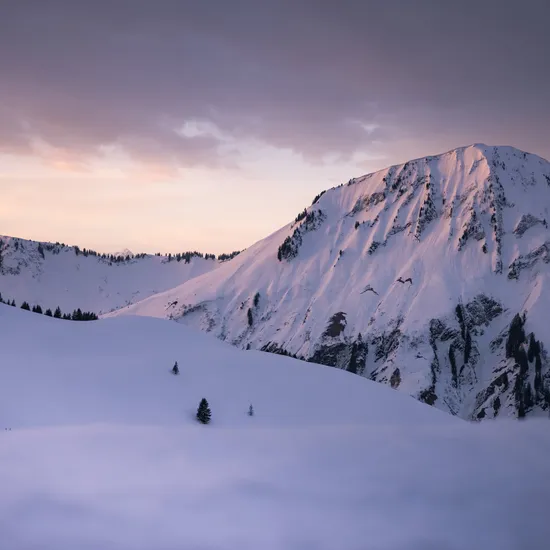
(104, 451)
(53, 275)
(431, 276)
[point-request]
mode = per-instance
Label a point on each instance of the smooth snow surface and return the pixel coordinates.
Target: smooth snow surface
(104, 452)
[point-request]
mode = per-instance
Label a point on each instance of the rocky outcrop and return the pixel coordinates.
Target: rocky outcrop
(526, 222)
(528, 261)
(291, 245)
(515, 364)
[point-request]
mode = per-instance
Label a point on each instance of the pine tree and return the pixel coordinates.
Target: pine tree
(48, 313)
(37, 309)
(250, 318)
(25, 306)
(13, 303)
(175, 368)
(251, 410)
(203, 412)
(57, 313)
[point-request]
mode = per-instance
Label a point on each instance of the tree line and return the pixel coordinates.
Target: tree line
(57, 247)
(76, 315)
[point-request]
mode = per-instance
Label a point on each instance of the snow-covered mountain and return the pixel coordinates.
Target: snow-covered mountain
(431, 276)
(102, 450)
(53, 275)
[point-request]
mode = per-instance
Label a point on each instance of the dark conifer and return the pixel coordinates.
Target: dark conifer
(203, 412)
(25, 306)
(57, 313)
(48, 313)
(175, 368)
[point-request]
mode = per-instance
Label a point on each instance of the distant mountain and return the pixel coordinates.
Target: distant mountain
(124, 252)
(54, 275)
(431, 276)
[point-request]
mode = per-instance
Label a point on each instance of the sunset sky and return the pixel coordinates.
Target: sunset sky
(172, 125)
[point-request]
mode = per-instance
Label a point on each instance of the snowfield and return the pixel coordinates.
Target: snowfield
(104, 452)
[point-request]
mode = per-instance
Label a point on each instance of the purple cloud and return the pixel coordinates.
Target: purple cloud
(304, 75)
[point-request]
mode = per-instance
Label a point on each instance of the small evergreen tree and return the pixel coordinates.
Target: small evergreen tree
(13, 303)
(203, 412)
(57, 313)
(175, 368)
(25, 306)
(250, 318)
(37, 309)
(251, 410)
(48, 313)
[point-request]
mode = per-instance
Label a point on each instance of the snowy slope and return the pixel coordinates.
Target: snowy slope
(119, 371)
(104, 452)
(54, 275)
(410, 276)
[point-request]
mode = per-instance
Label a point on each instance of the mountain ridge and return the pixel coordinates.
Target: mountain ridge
(405, 276)
(54, 274)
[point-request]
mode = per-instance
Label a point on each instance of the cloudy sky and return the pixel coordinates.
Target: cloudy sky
(172, 125)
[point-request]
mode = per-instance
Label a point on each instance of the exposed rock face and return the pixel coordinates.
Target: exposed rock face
(456, 362)
(411, 276)
(529, 260)
(526, 222)
(291, 245)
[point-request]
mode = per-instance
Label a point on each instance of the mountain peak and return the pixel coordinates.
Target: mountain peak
(411, 276)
